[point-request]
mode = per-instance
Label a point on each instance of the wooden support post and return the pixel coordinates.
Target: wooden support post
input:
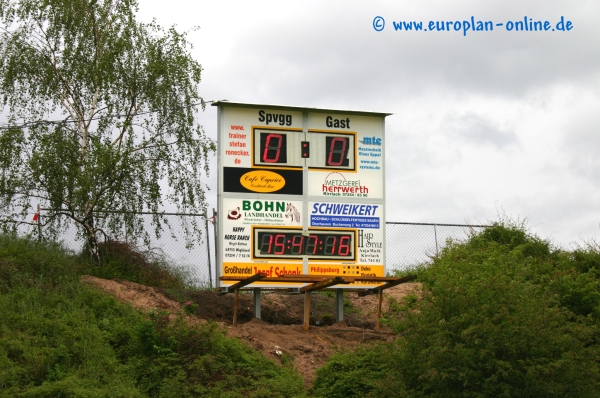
(379, 309)
(241, 283)
(235, 307)
(393, 282)
(325, 284)
(306, 309)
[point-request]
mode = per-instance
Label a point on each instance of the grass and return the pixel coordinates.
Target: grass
(60, 338)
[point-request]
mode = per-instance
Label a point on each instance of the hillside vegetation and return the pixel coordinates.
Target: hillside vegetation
(502, 315)
(60, 338)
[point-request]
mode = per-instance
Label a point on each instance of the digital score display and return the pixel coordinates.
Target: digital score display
(293, 244)
(283, 148)
(273, 148)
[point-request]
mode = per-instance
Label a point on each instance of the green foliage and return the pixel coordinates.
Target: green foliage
(504, 315)
(123, 260)
(126, 92)
(190, 308)
(352, 374)
(59, 338)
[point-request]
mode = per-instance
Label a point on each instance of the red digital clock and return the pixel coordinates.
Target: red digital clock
(293, 244)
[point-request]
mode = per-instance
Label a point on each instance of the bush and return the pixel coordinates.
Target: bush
(503, 315)
(60, 338)
(124, 260)
(352, 374)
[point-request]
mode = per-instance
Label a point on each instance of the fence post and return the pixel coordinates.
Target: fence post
(215, 215)
(437, 252)
(208, 254)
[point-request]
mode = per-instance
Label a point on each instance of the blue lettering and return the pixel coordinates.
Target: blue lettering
(408, 26)
(466, 26)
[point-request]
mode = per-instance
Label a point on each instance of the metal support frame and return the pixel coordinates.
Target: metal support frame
(210, 279)
(379, 302)
(339, 305)
(257, 302)
(235, 306)
(306, 309)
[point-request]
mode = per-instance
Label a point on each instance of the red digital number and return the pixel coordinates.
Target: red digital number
(329, 245)
(311, 245)
(340, 151)
(266, 242)
(297, 242)
(279, 244)
(344, 248)
(272, 148)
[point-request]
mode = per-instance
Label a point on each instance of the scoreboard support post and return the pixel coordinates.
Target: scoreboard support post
(307, 310)
(235, 306)
(379, 304)
(256, 292)
(339, 305)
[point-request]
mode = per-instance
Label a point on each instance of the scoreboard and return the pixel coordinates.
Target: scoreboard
(301, 191)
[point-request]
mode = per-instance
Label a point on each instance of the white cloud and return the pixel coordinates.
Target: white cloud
(486, 121)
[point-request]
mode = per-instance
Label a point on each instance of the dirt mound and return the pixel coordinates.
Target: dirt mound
(280, 334)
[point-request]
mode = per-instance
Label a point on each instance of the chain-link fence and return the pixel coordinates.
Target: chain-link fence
(193, 259)
(411, 244)
(408, 244)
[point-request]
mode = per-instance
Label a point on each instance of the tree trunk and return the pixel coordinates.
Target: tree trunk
(92, 240)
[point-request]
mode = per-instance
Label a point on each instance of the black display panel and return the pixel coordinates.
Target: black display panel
(336, 151)
(316, 244)
(273, 148)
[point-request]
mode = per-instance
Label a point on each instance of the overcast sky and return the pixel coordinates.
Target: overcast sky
(484, 123)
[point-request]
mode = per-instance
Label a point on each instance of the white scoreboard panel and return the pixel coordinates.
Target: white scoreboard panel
(301, 191)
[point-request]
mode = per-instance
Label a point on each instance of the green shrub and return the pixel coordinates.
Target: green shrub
(60, 338)
(124, 260)
(352, 374)
(501, 315)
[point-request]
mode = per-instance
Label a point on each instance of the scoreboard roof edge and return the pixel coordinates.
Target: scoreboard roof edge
(298, 108)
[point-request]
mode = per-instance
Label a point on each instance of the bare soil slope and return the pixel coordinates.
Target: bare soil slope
(279, 335)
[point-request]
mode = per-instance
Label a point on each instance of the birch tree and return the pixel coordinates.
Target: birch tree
(99, 117)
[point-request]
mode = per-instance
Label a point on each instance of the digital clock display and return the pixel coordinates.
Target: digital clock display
(283, 148)
(316, 244)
